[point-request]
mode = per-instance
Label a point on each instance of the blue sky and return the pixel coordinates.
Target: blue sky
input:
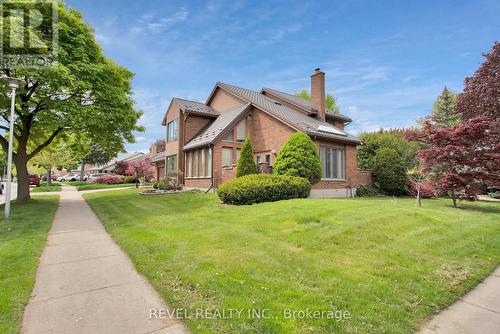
(385, 61)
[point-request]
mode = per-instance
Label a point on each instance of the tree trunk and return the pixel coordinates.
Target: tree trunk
(453, 198)
(23, 178)
(49, 177)
(419, 202)
(82, 170)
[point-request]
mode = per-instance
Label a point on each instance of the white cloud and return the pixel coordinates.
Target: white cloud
(154, 24)
(279, 34)
(102, 38)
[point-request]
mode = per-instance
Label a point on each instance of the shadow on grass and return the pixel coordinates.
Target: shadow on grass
(489, 208)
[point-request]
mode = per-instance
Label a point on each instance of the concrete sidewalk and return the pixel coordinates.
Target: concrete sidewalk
(477, 312)
(86, 284)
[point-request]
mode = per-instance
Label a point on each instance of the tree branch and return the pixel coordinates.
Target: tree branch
(5, 145)
(45, 143)
(32, 90)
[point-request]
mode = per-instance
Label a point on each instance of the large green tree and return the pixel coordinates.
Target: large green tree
(330, 100)
(443, 111)
(56, 155)
(393, 139)
(83, 93)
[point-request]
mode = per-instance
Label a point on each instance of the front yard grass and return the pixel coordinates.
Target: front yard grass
(44, 187)
(389, 264)
(22, 239)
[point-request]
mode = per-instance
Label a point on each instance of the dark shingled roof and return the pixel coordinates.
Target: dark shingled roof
(196, 107)
(306, 104)
(225, 120)
(294, 118)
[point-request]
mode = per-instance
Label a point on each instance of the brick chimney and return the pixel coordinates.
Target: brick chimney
(318, 91)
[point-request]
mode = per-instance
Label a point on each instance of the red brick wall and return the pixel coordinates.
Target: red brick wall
(223, 174)
(222, 101)
(228, 173)
(193, 125)
(198, 183)
(267, 133)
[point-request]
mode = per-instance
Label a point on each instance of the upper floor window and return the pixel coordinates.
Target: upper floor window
(229, 136)
(333, 162)
(172, 130)
(227, 157)
(241, 131)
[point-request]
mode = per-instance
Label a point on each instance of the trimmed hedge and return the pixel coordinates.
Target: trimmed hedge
(299, 157)
(259, 188)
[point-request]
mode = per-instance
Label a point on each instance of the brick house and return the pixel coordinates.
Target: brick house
(204, 139)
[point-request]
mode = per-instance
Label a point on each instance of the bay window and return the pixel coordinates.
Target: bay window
(189, 164)
(333, 162)
(199, 163)
(209, 162)
(196, 169)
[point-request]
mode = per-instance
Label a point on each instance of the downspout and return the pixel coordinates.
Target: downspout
(212, 163)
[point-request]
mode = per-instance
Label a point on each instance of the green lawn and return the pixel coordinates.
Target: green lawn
(389, 264)
(22, 239)
(93, 186)
(54, 186)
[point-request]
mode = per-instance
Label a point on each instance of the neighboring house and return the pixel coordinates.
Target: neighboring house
(157, 157)
(110, 166)
(204, 139)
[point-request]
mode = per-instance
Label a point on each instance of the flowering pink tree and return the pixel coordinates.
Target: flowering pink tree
(140, 168)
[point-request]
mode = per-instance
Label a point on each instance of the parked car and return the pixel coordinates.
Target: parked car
(52, 177)
(34, 180)
(69, 177)
(95, 176)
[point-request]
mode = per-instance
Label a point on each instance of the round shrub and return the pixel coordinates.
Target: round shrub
(299, 157)
(246, 165)
(163, 185)
(257, 188)
(389, 171)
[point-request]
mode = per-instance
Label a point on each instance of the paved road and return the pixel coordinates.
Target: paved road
(86, 284)
(13, 193)
(478, 312)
